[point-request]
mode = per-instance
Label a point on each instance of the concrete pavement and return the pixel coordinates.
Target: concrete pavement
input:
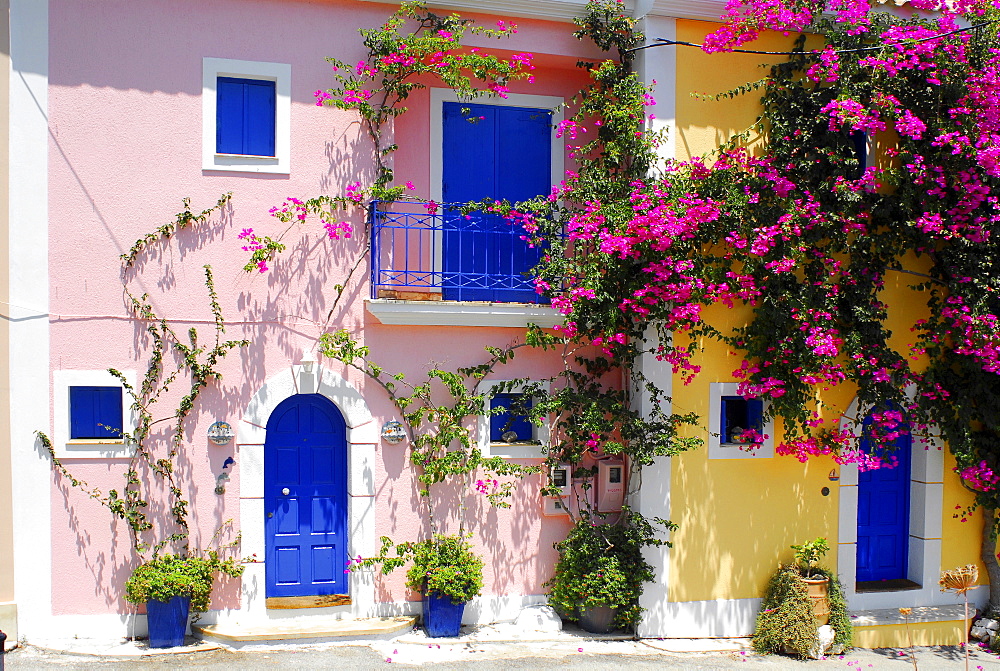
(483, 647)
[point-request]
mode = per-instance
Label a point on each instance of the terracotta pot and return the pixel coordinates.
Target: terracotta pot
(818, 590)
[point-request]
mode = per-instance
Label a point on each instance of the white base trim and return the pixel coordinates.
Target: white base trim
(719, 618)
(97, 627)
(441, 313)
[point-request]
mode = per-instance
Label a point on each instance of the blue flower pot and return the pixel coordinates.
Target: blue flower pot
(167, 621)
(441, 616)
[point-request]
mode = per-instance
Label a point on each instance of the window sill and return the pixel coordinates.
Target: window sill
(251, 157)
(95, 441)
(94, 448)
(739, 451)
(522, 450)
(247, 163)
(453, 313)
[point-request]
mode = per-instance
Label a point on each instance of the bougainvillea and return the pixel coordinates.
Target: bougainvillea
(879, 166)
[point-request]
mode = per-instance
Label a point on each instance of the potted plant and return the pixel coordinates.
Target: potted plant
(446, 572)
(172, 587)
(601, 571)
(817, 583)
(789, 617)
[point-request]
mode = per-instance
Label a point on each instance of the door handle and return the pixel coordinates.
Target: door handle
(270, 515)
(285, 491)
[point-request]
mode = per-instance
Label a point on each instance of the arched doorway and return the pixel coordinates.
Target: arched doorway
(884, 511)
(305, 498)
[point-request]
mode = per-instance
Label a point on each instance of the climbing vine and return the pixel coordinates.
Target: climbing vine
(413, 47)
(172, 359)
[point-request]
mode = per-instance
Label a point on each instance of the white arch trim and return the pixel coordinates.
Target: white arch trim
(362, 438)
(926, 519)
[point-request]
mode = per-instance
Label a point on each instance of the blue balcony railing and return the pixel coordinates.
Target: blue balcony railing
(426, 253)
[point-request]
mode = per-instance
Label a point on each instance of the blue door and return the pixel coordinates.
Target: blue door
(884, 515)
(305, 498)
(497, 152)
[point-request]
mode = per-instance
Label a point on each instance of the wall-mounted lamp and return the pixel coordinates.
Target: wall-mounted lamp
(307, 376)
(308, 362)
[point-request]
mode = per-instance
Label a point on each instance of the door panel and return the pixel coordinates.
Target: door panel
(884, 516)
(305, 453)
(498, 152)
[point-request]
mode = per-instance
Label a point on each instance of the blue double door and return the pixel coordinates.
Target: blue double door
(496, 152)
(884, 514)
(305, 498)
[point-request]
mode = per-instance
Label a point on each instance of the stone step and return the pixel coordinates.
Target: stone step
(303, 630)
(925, 625)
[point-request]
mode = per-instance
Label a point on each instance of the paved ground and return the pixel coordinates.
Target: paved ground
(537, 655)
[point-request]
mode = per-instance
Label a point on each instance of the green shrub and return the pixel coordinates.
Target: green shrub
(166, 576)
(786, 617)
(602, 565)
(446, 565)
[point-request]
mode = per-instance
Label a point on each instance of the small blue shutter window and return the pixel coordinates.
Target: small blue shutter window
(95, 412)
(859, 141)
(740, 413)
(245, 116)
(503, 422)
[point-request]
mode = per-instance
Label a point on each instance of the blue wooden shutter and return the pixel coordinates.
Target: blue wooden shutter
(859, 140)
(245, 116)
(503, 152)
(92, 407)
(755, 415)
(724, 419)
(499, 423)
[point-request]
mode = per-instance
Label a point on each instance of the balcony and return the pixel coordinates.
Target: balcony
(426, 255)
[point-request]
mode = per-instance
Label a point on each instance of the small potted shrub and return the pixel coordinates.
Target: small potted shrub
(817, 582)
(601, 571)
(445, 571)
(799, 599)
(448, 574)
(172, 587)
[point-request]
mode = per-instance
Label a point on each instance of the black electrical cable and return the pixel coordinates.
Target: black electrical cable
(663, 42)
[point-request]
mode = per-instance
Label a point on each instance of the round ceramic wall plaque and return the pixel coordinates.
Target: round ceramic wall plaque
(221, 433)
(392, 432)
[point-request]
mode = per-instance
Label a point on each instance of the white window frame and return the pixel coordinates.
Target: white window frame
(720, 450)
(281, 74)
(507, 450)
(89, 448)
(440, 96)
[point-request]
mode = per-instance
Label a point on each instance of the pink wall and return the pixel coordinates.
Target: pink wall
(125, 147)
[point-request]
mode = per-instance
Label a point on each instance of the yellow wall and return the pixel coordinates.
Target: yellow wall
(738, 517)
(704, 124)
(898, 636)
(960, 541)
